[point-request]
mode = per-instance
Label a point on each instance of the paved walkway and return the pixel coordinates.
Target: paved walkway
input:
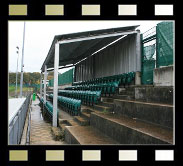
(40, 133)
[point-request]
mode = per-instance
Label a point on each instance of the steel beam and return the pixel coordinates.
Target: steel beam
(97, 37)
(94, 37)
(55, 87)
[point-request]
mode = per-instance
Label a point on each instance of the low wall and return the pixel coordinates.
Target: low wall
(164, 76)
(157, 94)
(159, 114)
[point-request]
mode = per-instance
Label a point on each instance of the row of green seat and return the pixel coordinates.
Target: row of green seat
(86, 97)
(41, 101)
(48, 108)
(105, 88)
(107, 85)
(70, 105)
(125, 78)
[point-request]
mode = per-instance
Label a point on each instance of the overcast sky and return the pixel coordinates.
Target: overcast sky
(39, 36)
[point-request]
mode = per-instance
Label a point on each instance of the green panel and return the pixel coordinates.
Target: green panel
(147, 72)
(165, 35)
(148, 61)
(65, 78)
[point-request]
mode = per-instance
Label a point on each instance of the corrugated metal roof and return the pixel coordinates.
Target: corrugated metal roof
(71, 53)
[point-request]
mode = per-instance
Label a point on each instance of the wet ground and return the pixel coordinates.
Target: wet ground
(40, 132)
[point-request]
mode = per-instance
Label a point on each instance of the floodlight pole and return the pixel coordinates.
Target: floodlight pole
(55, 88)
(17, 70)
(41, 86)
(22, 65)
(45, 78)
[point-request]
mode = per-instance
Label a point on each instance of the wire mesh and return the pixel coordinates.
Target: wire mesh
(151, 32)
(165, 45)
(148, 55)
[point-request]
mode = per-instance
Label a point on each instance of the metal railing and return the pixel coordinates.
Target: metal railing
(16, 126)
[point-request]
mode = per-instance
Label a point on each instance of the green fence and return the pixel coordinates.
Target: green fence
(165, 46)
(65, 78)
(26, 85)
(157, 49)
(51, 82)
(148, 40)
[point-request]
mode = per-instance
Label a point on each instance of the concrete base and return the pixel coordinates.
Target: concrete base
(164, 76)
(138, 78)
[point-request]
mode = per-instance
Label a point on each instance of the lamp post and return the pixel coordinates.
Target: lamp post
(22, 65)
(17, 70)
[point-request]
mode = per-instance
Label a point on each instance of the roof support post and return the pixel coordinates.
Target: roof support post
(41, 86)
(55, 87)
(138, 51)
(45, 78)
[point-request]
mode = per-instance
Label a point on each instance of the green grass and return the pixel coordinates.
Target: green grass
(12, 90)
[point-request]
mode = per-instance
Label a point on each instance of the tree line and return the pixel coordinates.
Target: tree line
(28, 77)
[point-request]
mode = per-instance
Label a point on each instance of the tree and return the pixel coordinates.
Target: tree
(28, 78)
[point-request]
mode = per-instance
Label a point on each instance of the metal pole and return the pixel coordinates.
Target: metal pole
(55, 88)
(22, 65)
(138, 51)
(41, 86)
(17, 71)
(45, 78)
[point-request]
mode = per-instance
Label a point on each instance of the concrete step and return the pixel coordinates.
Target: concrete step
(121, 89)
(107, 99)
(124, 97)
(72, 123)
(86, 135)
(126, 130)
(107, 104)
(161, 114)
(102, 108)
(130, 93)
(127, 91)
(81, 121)
(62, 123)
(86, 109)
(85, 115)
